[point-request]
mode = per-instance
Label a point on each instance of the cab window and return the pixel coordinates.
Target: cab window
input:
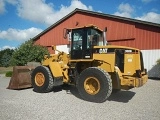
(77, 39)
(94, 38)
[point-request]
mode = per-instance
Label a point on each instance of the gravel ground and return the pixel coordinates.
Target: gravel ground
(64, 103)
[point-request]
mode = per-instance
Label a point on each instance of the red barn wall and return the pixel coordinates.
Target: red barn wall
(119, 32)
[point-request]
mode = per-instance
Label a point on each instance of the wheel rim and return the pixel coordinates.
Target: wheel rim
(39, 79)
(92, 85)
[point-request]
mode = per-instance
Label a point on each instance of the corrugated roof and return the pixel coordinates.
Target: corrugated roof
(95, 13)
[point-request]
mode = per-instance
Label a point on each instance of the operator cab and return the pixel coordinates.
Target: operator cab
(82, 41)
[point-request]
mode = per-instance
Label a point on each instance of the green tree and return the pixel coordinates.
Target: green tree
(5, 56)
(158, 62)
(28, 52)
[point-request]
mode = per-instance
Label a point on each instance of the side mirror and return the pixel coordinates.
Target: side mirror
(53, 47)
(65, 32)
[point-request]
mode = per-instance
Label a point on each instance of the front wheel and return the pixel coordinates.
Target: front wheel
(94, 84)
(42, 80)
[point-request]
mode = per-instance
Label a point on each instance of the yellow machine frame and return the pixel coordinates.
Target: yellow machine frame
(94, 69)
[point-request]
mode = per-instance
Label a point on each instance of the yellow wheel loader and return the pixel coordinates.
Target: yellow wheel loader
(92, 65)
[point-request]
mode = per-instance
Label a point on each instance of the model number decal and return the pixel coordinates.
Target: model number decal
(103, 50)
(128, 51)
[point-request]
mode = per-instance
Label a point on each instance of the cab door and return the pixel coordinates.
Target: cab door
(79, 49)
(77, 44)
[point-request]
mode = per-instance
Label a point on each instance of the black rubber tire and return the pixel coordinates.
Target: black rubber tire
(48, 84)
(104, 80)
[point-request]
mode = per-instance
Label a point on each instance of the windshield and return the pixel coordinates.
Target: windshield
(94, 37)
(86, 38)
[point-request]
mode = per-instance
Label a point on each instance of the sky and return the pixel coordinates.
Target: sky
(21, 20)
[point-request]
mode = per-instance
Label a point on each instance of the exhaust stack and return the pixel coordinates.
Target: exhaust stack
(104, 37)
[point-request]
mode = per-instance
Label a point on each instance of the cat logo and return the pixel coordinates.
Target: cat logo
(103, 50)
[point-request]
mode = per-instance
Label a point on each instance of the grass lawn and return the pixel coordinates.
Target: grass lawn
(3, 70)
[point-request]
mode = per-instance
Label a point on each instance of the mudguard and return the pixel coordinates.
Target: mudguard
(55, 69)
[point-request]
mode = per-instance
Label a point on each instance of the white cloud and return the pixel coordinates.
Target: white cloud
(123, 14)
(35, 10)
(2, 6)
(19, 35)
(39, 11)
(13, 2)
(124, 10)
(7, 47)
(151, 17)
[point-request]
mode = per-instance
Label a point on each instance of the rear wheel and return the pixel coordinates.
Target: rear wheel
(42, 80)
(94, 84)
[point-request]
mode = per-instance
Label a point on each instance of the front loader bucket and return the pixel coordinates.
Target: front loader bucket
(21, 77)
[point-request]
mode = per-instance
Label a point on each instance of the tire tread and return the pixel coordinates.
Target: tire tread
(45, 70)
(107, 80)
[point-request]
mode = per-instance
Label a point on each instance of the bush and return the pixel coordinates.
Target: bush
(28, 52)
(158, 62)
(9, 74)
(5, 56)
